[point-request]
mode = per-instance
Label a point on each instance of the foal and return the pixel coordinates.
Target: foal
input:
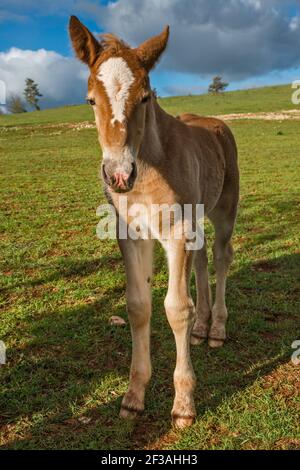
(157, 159)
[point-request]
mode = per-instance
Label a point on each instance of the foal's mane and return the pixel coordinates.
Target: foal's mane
(109, 41)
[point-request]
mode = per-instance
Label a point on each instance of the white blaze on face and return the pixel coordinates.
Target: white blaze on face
(117, 78)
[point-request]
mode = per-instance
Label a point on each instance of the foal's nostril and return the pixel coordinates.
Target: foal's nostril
(121, 180)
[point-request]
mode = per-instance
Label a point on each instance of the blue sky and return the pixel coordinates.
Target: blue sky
(250, 42)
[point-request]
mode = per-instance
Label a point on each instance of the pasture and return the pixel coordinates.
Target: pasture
(67, 367)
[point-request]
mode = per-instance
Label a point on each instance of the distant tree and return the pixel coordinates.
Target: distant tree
(217, 86)
(32, 93)
(155, 93)
(15, 104)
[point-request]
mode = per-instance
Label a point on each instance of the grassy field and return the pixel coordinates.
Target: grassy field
(269, 99)
(67, 368)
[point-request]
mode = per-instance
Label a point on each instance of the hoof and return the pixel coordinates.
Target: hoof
(126, 413)
(217, 336)
(196, 340)
(182, 422)
(131, 406)
(199, 336)
(215, 343)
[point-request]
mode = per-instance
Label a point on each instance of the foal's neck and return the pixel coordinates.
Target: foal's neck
(153, 147)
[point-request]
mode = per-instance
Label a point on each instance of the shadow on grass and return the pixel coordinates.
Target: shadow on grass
(69, 268)
(65, 386)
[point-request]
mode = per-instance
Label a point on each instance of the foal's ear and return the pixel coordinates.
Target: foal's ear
(150, 51)
(86, 46)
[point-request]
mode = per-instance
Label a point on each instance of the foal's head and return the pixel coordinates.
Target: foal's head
(118, 90)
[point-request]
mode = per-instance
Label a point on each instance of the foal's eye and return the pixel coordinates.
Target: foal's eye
(145, 99)
(91, 101)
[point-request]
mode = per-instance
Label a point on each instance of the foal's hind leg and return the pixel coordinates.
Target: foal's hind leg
(203, 307)
(223, 255)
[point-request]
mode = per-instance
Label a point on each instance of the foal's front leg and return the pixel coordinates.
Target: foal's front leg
(181, 316)
(138, 256)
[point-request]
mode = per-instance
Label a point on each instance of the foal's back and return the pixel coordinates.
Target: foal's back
(219, 129)
(229, 197)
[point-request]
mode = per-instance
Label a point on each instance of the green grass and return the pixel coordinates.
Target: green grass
(60, 285)
(268, 99)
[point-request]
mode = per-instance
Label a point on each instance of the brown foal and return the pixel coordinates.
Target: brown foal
(156, 159)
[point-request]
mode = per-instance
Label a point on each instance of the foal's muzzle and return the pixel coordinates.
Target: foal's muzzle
(120, 181)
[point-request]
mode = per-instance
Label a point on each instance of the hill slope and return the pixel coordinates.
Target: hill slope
(266, 99)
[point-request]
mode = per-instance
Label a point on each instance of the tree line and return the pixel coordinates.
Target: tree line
(217, 86)
(31, 93)
(15, 104)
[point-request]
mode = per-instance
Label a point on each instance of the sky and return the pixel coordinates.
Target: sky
(250, 43)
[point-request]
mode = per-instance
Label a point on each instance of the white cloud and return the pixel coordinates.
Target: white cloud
(240, 39)
(237, 38)
(61, 79)
(295, 23)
